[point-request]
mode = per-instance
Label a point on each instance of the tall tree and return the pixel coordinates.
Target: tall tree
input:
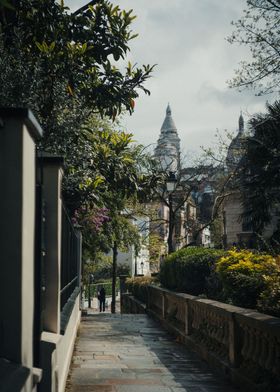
(53, 61)
(259, 174)
(258, 29)
(118, 164)
(191, 203)
(63, 66)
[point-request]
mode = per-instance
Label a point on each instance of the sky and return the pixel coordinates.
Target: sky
(186, 39)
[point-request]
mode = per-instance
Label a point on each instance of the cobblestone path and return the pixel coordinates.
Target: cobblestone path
(131, 353)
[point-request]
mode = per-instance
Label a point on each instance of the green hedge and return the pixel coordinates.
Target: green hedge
(138, 286)
(95, 287)
(105, 271)
(243, 276)
(269, 301)
(188, 270)
(239, 277)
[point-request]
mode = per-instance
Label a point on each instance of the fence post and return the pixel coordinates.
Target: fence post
(18, 132)
(52, 174)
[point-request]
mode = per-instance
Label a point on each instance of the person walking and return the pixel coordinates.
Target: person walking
(102, 299)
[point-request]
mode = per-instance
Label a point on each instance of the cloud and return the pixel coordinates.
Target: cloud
(226, 96)
(186, 38)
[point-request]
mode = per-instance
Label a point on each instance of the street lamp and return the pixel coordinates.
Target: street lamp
(90, 281)
(171, 182)
(170, 187)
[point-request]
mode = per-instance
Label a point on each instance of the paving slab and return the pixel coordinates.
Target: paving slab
(132, 353)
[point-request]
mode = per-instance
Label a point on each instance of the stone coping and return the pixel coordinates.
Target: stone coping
(257, 319)
(12, 376)
(28, 118)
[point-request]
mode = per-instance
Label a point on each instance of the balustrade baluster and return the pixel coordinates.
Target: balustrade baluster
(251, 342)
(271, 357)
(276, 366)
(220, 329)
(246, 341)
(263, 351)
(216, 327)
(257, 346)
(194, 319)
(226, 333)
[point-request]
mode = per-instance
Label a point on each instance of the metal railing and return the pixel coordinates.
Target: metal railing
(70, 261)
(39, 265)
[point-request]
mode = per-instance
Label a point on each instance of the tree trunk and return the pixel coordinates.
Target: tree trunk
(114, 277)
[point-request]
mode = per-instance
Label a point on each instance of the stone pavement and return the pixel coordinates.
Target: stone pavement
(131, 353)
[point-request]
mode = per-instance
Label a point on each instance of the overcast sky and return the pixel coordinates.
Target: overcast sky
(186, 39)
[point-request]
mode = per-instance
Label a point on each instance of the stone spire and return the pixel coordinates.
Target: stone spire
(168, 145)
(236, 147)
(168, 125)
(241, 123)
(168, 110)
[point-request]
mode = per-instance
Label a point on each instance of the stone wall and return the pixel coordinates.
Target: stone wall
(244, 345)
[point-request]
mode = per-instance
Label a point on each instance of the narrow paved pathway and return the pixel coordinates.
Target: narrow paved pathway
(131, 353)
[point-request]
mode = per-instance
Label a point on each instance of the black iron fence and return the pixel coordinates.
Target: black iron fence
(70, 266)
(39, 265)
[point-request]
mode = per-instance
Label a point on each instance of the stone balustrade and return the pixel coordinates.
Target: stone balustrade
(243, 344)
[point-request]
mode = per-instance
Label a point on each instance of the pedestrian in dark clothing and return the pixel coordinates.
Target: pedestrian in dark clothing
(102, 298)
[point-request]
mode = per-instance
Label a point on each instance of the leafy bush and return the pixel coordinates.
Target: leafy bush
(242, 278)
(187, 270)
(214, 286)
(269, 301)
(105, 270)
(95, 287)
(242, 274)
(138, 286)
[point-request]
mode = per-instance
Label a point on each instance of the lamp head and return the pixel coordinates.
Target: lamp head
(171, 182)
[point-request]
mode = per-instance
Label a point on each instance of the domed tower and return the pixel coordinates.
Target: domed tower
(235, 150)
(168, 145)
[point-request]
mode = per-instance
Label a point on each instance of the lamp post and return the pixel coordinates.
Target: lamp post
(114, 277)
(90, 281)
(170, 187)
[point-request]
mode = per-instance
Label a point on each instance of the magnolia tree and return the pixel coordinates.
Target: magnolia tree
(65, 68)
(63, 59)
(116, 180)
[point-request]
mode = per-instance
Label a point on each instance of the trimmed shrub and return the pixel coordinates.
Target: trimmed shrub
(105, 270)
(138, 286)
(269, 301)
(242, 274)
(242, 278)
(187, 270)
(214, 286)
